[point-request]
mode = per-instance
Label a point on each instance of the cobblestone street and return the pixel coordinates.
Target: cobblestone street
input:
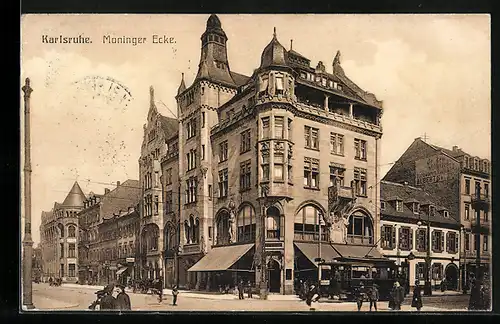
(73, 298)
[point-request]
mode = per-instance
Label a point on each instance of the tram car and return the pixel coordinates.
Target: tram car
(349, 275)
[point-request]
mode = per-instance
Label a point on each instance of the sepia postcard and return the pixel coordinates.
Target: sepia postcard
(244, 162)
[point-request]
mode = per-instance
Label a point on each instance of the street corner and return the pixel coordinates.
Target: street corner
(46, 303)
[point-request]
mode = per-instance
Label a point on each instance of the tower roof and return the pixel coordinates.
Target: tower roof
(75, 197)
(274, 54)
(214, 25)
(182, 86)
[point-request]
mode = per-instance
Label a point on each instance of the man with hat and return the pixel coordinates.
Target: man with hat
(122, 299)
(108, 302)
(374, 296)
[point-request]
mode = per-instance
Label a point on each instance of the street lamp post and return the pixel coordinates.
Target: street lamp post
(27, 241)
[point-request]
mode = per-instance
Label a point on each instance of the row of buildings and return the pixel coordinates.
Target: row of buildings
(257, 170)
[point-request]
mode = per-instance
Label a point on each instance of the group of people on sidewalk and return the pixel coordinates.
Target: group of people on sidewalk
(241, 289)
(396, 298)
(114, 297)
(311, 294)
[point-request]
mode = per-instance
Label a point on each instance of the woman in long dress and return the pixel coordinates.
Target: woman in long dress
(417, 296)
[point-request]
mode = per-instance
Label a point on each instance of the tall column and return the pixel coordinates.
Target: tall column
(351, 114)
(27, 241)
(326, 102)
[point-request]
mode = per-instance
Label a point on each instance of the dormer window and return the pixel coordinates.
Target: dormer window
(486, 167)
(399, 205)
(446, 214)
(466, 162)
(382, 205)
(416, 207)
(432, 210)
(476, 164)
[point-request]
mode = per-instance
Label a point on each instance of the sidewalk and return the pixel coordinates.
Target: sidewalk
(216, 296)
(192, 294)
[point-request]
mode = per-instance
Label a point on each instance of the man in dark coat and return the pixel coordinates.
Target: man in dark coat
(398, 295)
(108, 302)
(417, 296)
(240, 290)
(359, 295)
(249, 287)
(122, 299)
(374, 296)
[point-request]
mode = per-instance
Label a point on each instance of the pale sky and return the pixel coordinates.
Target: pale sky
(431, 71)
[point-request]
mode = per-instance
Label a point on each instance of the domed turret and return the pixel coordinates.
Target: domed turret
(274, 54)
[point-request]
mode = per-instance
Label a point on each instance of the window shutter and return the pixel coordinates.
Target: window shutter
(448, 245)
(417, 276)
(410, 246)
(393, 230)
(433, 241)
(400, 231)
(442, 243)
(456, 244)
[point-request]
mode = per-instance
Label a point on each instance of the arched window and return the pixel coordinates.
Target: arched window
(169, 237)
(273, 222)
(194, 227)
(360, 229)
(187, 232)
(61, 229)
(246, 224)
(306, 224)
(71, 231)
(223, 228)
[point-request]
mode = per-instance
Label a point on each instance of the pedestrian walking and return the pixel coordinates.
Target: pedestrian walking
(122, 299)
(417, 296)
(108, 301)
(241, 295)
(175, 292)
(159, 289)
(312, 299)
(374, 296)
(249, 287)
(359, 295)
(397, 296)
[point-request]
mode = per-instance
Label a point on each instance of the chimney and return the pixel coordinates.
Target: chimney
(117, 183)
(106, 191)
(455, 148)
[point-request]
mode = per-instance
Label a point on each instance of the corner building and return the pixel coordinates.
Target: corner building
(258, 155)
(59, 233)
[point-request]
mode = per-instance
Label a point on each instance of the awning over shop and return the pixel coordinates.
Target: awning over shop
(358, 251)
(221, 258)
(120, 271)
(310, 250)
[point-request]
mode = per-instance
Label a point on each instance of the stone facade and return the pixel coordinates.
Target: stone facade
(266, 150)
(59, 237)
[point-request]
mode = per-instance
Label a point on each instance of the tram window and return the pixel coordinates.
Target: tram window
(359, 272)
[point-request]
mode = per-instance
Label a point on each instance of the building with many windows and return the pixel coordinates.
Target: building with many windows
(108, 223)
(452, 177)
(157, 131)
(406, 215)
(257, 156)
(59, 236)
